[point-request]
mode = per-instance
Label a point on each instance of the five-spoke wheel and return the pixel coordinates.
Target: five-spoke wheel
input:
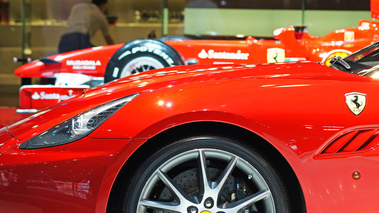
(206, 174)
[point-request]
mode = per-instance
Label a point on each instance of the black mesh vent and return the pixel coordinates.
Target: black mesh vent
(352, 142)
(96, 120)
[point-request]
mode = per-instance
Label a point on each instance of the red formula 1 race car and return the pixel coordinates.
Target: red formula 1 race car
(70, 73)
(117, 61)
(291, 137)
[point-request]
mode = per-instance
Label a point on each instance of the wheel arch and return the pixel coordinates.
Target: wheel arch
(215, 129)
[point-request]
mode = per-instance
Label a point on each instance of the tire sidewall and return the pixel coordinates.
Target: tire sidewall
(149, 166)
(157, 50)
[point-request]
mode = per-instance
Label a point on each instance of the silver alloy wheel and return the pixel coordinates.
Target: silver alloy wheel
(169, 191)
(141, 64)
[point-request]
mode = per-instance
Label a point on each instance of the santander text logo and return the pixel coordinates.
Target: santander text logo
(211, 54)
(52, 96)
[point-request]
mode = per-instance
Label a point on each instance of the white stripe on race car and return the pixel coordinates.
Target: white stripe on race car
(219, 62)
(295, 59)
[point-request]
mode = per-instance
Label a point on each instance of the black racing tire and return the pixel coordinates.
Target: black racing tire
(206, 174)
(139, 56)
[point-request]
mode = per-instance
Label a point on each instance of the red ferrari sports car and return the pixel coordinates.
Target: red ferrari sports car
(286, 137)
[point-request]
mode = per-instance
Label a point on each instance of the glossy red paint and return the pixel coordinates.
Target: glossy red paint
(9, 115)
(53, 180)
(374, 8)
(298, 108)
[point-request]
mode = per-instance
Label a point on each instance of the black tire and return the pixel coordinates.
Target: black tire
(141, 55)
(246, 176)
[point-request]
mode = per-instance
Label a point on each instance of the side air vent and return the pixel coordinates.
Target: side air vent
(354, 141)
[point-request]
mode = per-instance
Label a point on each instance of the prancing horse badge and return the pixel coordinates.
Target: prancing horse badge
(356, 102)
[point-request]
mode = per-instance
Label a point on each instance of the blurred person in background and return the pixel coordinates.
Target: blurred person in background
(84, 21)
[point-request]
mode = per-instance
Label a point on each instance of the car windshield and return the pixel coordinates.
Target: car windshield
(363, 62)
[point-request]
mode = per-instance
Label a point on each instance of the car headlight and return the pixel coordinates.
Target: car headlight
(76, 127)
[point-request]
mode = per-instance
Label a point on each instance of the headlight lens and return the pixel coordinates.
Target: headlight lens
(76, 127)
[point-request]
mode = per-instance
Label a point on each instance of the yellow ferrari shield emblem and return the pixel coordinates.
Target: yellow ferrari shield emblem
(275, 55)
(349, 36)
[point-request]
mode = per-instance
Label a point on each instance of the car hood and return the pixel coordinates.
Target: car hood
(169, 77)
(154, 79)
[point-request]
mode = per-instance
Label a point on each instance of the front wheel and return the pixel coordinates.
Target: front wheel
(139, 56)
(206, 174)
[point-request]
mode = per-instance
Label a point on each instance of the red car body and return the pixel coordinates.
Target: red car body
(298, 115)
